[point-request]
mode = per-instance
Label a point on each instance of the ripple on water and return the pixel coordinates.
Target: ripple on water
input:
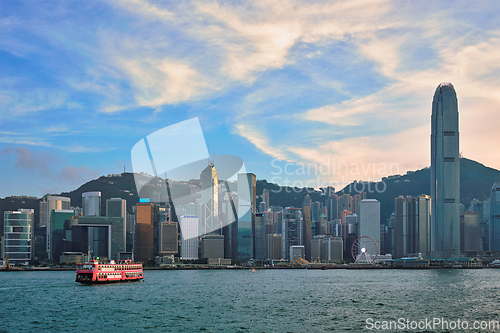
(273, 300)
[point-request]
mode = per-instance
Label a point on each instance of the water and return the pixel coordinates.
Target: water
(239, 300)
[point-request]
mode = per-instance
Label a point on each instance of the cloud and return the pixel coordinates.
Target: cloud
(260, 141)
(26, 159)
(56, 128)
(160, 82)
(146, 9)
(48, 165)
(22, 103)
(347, 113)
(77, 174)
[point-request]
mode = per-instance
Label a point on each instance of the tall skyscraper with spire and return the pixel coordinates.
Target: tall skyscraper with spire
(445, 174)
(210, 201)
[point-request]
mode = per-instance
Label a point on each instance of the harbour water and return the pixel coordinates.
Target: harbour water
(240, 300)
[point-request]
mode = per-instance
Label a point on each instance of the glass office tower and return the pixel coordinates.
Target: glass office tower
(246, 218)
(445, 174)
(18, 232)
(495, 218)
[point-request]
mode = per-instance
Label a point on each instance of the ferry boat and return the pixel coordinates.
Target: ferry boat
(100, 272)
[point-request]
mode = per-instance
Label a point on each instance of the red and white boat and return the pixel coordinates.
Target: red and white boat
(100, 272)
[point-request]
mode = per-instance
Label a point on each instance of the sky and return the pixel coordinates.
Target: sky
(305, 93)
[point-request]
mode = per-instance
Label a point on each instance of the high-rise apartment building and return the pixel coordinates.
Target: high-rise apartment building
(445, 174)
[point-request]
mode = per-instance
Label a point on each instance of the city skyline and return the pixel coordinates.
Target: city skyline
(301, 83)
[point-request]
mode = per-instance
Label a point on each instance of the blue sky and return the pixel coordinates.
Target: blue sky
(303, 83)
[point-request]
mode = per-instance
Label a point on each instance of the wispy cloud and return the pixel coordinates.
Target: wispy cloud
(260, 141)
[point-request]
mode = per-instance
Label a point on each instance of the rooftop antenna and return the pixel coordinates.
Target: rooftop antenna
(124, 168)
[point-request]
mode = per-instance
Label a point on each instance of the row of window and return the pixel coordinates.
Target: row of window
(115, 275)
(17, 229)
(128, 267)
(17, 249)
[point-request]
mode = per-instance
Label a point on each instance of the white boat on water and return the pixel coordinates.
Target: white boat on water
(495, 263)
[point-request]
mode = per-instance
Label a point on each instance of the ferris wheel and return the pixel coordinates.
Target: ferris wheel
(364, 250)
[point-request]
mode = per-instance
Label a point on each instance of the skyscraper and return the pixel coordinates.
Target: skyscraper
(144, 230)
(291, 230)
(369, 219)
(411, 226)
(306, 231)
(210, 201)
(189, 237)
(18, 232)
(116, 207)
(244, 227)
(91, 202)
(495, 218)
(330, 203)
(265, 197)
(47, 205)
(445, 174)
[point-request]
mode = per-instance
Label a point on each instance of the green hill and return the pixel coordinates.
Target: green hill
(476, 181)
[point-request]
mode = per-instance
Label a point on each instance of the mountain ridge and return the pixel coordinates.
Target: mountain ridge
(476, 181)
